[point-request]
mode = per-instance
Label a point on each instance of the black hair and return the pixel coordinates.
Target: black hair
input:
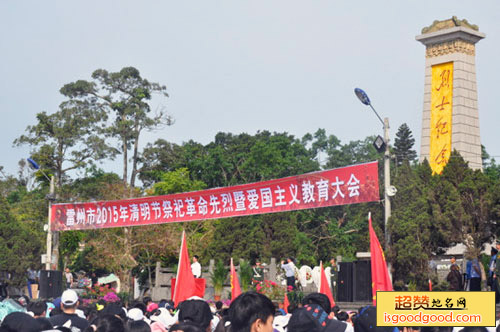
(475, 329)
(436, 329)
(317, 298)
(69, 306)
(55, 311)
(248, 308)
(218, 305)
(342, 316)
(44, 323)
(186, 327)
(107, 323)
(141, 306)
(138, 326)
(20, 321)
(196, 256)
(92, 314)
(114, 309)
(146, 300)
(37, 307)
(196, 311)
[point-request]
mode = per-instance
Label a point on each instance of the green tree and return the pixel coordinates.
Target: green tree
(122, 250)
(403, 145)
(464, 198)
(125, 98)
(157, 158)
(411, 227)
(176, 181)
(491, 168)
(94, 185)
(338, 154)
(67, 139)
(354, 152)
(236, 159)
(20, 245)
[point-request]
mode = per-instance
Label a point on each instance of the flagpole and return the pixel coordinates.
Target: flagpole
(388, 264)
(381, 280)
(180, 260)
(320, 271)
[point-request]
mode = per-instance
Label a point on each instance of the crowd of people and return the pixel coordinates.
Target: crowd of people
(473, 276)
(249, 312)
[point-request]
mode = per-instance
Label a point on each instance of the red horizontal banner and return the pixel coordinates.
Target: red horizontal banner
(340, 186)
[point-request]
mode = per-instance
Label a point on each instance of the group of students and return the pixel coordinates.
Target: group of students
(249, 312)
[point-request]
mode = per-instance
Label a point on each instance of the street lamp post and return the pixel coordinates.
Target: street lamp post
(388, 189)
(49, 230)
(50, 198)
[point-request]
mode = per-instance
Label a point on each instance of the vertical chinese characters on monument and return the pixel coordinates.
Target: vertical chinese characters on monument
(441, 115)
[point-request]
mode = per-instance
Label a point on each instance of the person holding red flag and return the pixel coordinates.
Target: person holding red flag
(380, 275)
(286, 303)
(235, 284)
(185, 286)
(324, 287)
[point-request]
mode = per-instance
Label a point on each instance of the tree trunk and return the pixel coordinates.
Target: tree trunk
(59, 162)
(134, 158)
(126, 271)
(125, 171)
(150, 279)
(125, 277)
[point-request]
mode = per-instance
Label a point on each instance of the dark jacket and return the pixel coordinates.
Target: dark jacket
(76, 321)
(455, 280)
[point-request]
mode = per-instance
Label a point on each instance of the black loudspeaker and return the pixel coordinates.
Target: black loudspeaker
(344, 282)
(50, 284)
(362, 281)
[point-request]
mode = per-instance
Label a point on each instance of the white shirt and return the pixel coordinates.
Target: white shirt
(289, 269)
(196, 269)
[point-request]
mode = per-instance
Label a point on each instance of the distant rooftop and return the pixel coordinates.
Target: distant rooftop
(449, 23)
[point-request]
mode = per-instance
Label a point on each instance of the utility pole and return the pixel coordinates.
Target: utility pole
(387, 183)
(388, 189)
(50, 198)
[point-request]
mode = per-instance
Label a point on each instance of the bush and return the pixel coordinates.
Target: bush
(219, 276)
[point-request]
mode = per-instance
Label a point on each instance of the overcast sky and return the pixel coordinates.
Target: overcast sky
(241, 66)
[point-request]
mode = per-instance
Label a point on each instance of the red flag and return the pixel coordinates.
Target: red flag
(235, 284)
(380, 275)
(185, 284)
(286, 303)
(430, 285)
(324, 288)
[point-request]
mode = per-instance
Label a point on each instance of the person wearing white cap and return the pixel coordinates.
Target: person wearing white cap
(69, 302)
(136, 314)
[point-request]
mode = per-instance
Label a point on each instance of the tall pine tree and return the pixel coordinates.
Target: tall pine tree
(403, 145)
